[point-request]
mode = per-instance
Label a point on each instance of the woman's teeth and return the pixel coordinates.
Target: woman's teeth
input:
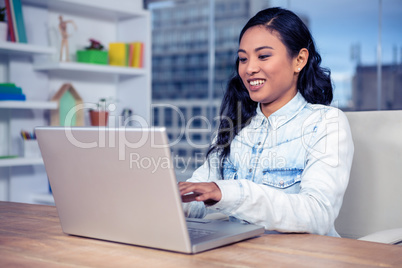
(257, 82)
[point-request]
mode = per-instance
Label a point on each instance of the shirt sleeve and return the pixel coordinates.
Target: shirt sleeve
(208, 172)
(314, 209)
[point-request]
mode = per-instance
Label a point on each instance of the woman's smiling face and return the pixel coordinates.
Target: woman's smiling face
(267, 70)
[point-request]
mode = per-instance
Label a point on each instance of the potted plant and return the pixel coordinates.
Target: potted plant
(99, 116)
(3, 25)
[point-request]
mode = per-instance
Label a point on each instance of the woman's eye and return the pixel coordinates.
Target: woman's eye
(263, 57)
(242, 59)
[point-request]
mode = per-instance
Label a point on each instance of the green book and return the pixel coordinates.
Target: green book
(7, 84)
(10, 90)
(19, 19)
(8, 156)
(127, 54)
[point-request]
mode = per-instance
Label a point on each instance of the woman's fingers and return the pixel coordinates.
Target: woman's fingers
(189, 198)
(208, 192)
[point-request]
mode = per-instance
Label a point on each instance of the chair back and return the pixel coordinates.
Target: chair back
(373, 199)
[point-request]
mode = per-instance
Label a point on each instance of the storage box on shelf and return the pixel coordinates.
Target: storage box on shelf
(92, 56)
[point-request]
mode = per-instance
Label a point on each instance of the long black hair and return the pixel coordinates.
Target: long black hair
(314, 82)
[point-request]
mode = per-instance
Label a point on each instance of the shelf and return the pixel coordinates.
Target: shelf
(90, 8)
(86, 67)
(25, 49)
(11, 162)
(51, 105)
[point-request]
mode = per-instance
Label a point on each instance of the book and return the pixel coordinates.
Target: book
(133, 59)
(14, 21)
(130, 57)
(11, 96)
(127, 54)
(138, 55)
(10, 21)
(19, 18)
(10, 90)
(7, 84)
(141, 55)
(117, 54)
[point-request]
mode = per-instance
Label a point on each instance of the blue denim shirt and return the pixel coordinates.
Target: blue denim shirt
(287, 172)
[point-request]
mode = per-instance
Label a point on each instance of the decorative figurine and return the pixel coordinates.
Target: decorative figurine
(64, 37)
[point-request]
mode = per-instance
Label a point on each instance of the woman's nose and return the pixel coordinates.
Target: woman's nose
(252, 67)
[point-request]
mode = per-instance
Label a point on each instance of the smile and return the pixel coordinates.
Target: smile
(257, 82)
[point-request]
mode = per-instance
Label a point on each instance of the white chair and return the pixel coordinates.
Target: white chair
(372, 206)
(392, 236)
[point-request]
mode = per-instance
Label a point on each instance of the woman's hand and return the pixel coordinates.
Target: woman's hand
(208, 192)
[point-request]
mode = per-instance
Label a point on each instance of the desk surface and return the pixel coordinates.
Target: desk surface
(31, 236)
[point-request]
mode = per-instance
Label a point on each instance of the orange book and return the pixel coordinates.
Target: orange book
(138, 55)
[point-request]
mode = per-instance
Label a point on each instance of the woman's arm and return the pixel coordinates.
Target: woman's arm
(324, 181)
(200, 190)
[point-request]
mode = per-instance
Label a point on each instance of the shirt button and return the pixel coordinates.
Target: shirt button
(281, 183)
(259, 143)
(250, 170)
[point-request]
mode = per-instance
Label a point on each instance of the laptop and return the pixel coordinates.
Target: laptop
(119, 184)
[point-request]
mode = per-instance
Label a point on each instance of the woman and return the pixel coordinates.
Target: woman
(281, 157)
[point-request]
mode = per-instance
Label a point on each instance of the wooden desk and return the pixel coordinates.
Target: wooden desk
(31, 236)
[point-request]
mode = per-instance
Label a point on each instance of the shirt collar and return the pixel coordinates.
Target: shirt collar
(259, 119)
(281, 116)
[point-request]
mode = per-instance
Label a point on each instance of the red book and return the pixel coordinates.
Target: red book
(10, 21)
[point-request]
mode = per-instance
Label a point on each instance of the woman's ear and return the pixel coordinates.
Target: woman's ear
(301, 60)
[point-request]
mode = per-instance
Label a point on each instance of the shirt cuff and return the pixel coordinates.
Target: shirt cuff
(232, 196)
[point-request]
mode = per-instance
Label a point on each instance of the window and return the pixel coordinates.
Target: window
(346, 34)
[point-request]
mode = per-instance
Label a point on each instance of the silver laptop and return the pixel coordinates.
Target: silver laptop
(120, 185)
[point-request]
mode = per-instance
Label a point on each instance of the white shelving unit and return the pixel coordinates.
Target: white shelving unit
(11, 48)
(117, 10)
(20, 161)
(35, 68)
(54, 67)
(6, 108)
(10, 105)
(28, 105)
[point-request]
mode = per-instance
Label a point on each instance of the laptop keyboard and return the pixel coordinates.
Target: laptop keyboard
(198, 233)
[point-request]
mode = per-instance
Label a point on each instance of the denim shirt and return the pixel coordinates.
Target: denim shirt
(287, 172)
